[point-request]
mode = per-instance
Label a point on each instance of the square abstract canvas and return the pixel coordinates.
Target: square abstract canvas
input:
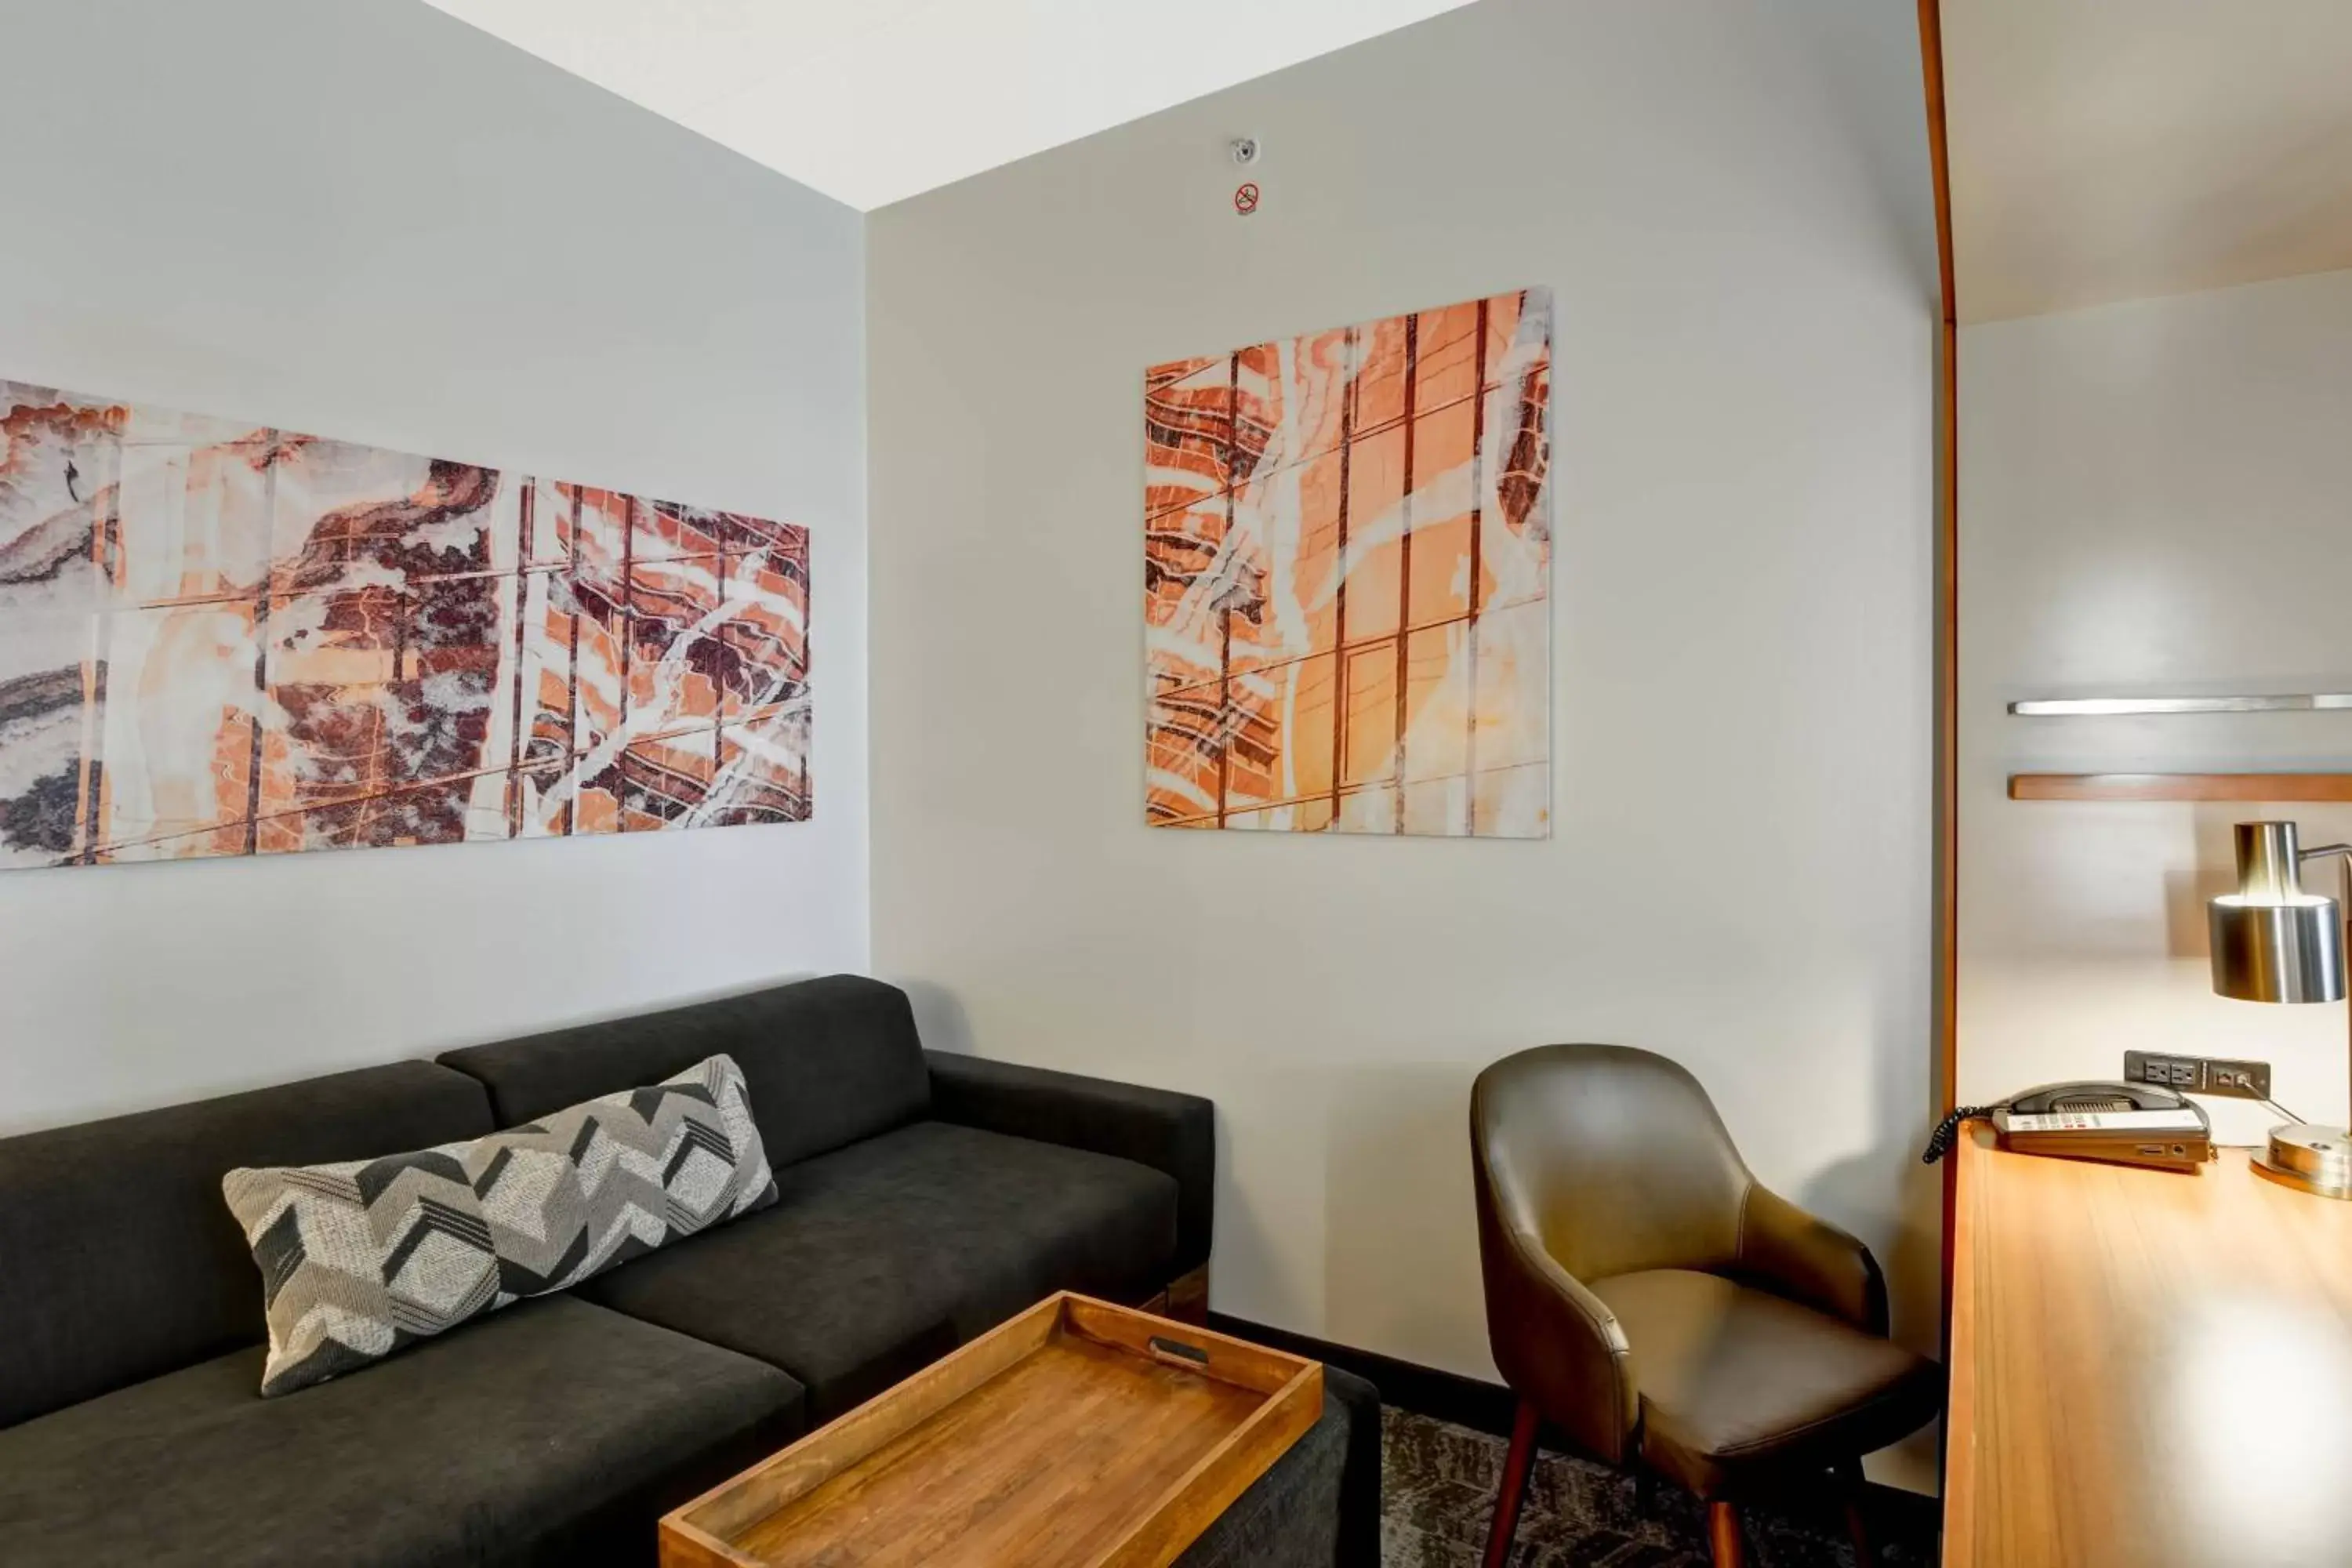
(1347, 579)
(219, 639)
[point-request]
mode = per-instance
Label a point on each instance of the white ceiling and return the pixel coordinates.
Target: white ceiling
(2109, 149)
(873, 101)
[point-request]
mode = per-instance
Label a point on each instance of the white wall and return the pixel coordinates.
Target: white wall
(366, 219)
(1731, 204)
(2155, 498)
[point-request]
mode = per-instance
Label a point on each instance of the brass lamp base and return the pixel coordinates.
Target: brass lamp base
(2310, 1158)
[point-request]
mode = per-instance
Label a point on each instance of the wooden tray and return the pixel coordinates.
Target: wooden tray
(1077, 1434)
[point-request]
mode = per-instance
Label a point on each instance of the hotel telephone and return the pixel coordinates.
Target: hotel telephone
(2122, 1123)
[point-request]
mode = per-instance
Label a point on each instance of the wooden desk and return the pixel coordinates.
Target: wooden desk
(2147, 1368)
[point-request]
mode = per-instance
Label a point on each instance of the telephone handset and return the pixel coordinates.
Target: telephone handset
(2124, 1123)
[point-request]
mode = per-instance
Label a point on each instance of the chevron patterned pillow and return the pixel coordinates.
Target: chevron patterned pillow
(364, 1258)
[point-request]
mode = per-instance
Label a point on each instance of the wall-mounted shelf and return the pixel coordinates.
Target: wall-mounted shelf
(2316, 787)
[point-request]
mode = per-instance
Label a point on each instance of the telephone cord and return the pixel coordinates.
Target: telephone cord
(1939, 1143)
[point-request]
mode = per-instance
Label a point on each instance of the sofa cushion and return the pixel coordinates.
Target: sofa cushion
(879, 1258)
(361, 1258)
(829, 1061)
(552, 1431)
(117, 1260)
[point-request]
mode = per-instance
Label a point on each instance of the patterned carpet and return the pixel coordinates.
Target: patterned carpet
(1438, 1484)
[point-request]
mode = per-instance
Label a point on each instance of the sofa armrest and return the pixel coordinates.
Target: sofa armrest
(1171, 1133)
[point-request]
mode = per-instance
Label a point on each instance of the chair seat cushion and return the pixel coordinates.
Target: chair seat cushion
(1736, 1384)
(879, 1258)
(555, 1431)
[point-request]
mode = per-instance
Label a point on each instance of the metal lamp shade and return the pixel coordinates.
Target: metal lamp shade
(2272, 940)
(2277, 952)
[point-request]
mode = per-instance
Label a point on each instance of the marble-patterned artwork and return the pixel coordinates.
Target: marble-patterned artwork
(1347, 579)
(218, 640)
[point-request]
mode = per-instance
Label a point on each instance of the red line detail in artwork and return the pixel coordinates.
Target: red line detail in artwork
(90, 808)
(572, 686)
(1477, 572)
(527, 510)
(626, 631)
(1224, 731)
(808, 663)
(719, 730)
(1339, 587)
(260, 689)
(1404, 555)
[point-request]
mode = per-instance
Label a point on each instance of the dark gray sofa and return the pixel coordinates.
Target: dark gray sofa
(924, 1198)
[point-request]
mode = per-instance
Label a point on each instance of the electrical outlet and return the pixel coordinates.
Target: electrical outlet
(2171, 1072)
(2199, 1075)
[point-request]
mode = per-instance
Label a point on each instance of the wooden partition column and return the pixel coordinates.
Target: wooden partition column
(1945, 1007)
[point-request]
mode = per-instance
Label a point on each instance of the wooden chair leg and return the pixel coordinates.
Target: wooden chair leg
(1723, 1537)
(1850, 1490)
(1514, 1490)
(1645, 1490)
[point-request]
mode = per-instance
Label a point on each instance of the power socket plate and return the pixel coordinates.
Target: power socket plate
(2199, 1075)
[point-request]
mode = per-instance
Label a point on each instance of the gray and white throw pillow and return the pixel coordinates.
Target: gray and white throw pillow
(362, 1258)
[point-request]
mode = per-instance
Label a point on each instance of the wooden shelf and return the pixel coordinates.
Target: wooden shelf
(2315, 787)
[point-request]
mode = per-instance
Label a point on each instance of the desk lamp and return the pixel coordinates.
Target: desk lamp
(2275, 942)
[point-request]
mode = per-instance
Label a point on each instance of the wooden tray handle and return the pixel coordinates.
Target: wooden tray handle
(1178, 1352)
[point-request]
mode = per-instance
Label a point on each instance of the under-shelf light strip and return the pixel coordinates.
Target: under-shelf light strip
(2099, 706)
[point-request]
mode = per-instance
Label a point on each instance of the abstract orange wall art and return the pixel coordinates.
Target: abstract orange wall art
(217, 639)
(1347, 572)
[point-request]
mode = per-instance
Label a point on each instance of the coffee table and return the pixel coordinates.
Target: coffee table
(1077, 1434)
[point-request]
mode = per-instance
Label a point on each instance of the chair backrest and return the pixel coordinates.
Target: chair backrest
(828, 1062)
(119, 1258)
(1614, 1157)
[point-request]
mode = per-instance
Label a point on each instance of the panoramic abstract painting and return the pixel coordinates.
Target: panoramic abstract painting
(220, 639)
(1347, 569)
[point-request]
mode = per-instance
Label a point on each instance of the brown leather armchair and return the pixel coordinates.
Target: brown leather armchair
(1661, 1310)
